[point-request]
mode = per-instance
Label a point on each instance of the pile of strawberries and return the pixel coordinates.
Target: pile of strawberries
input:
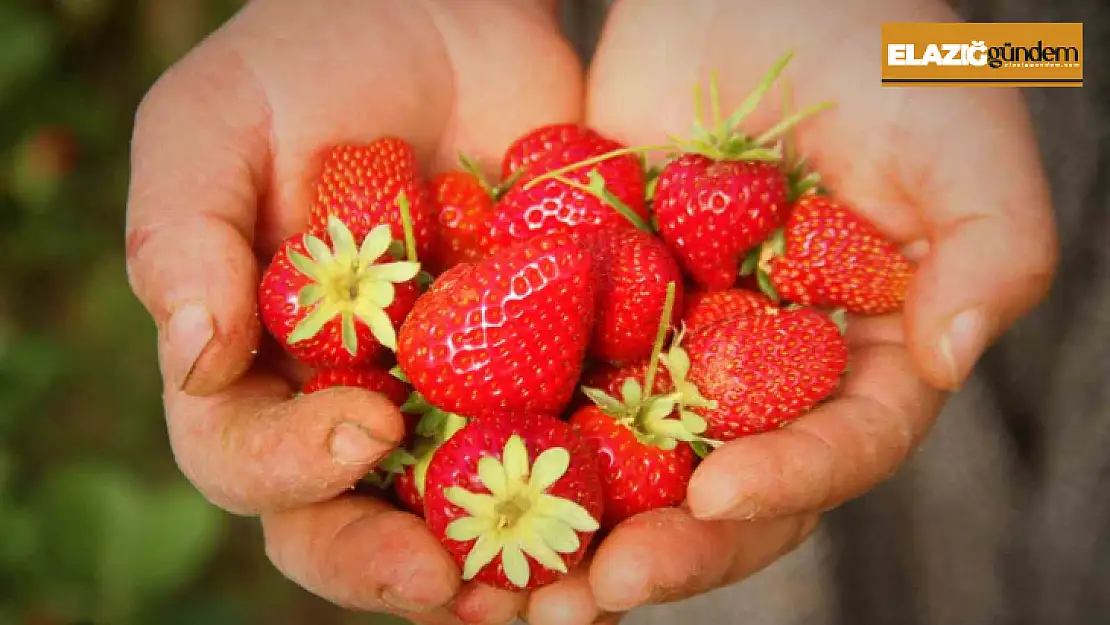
(567, 344)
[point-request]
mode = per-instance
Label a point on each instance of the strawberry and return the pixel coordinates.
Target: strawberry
(515, 499)
(374, 380)
(576, 202)
(711, 211)
(760, 370)
(537, 142)
(641, 440)
(504, 335)
(334, 301)
(706, 307)
(363, 186)
(632, 270)
(722, 196)
(829, 257)
(463, 206)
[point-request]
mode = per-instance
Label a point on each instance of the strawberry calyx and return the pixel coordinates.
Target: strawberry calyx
(652, 417)
(435, 427)
(495, 190)
(722, 139)
(517, 517)
(348, 282)
(758, 262)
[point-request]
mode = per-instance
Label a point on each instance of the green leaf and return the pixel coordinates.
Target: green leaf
(28, 42)
(181, 532)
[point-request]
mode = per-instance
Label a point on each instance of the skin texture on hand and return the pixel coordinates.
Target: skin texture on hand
(220, 178)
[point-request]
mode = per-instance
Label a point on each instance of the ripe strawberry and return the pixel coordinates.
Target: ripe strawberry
(632, 270)
(515, 499)
(537, 142)
(504, 335)
(641, 441)
(334, 301)
(375, 380)
(706, 307)
(761, 369)
(828, 257)
(722, 196)
(575, 202)
(363, 185)
(463, 207)
(640, 470)
(711, 211)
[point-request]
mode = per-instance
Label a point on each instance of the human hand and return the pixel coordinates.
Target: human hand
(221, 174)
(952, 174)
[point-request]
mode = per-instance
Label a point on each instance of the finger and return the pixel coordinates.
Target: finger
(197, 154)
(361, 554)
(667, 555)
(479, 604)
(993, 243)
(570, 601)
(253, 448)
(835, 453)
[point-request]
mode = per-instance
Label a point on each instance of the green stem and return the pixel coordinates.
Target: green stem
(406, 226)
(660, 338)
(594, 160)
(610, 199)
(790, 122)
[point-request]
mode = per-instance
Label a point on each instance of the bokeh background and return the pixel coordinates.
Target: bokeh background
(96, 524)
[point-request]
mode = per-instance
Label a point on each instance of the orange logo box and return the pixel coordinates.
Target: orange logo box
(960, 54)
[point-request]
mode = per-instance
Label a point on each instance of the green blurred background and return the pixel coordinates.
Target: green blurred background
(96, 524)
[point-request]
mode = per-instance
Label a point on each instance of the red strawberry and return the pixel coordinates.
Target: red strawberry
(577, 201)
(706, 307)
(632, 270)
(640, 471)
(712, 211)
(334, 301)
(462, 204)
(363, 186)
(828, 257)
(535, 143)
(508, 334)
(641, 439)
(761, 370)
(375, 380)
(515, 499)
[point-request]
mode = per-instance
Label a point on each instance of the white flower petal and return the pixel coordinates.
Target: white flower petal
(469, 528)
(515, 565)
(493, 476)
(483, 552)
(551, 465)
(475, 504)
(567, 511)
(515, 459)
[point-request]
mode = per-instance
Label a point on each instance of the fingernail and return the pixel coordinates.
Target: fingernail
(397, 602)
(962, 344)
(352, 444)
(188, 333)
(738, 508)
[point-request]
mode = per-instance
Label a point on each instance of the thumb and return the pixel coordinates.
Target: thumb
(993, 245)
(191, 212)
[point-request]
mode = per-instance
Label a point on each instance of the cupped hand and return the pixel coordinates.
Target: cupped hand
(223, 155)
(951, 174)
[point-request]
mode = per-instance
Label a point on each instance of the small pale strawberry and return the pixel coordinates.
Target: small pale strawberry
(515, 499)
(334, 301)
(504, 335)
